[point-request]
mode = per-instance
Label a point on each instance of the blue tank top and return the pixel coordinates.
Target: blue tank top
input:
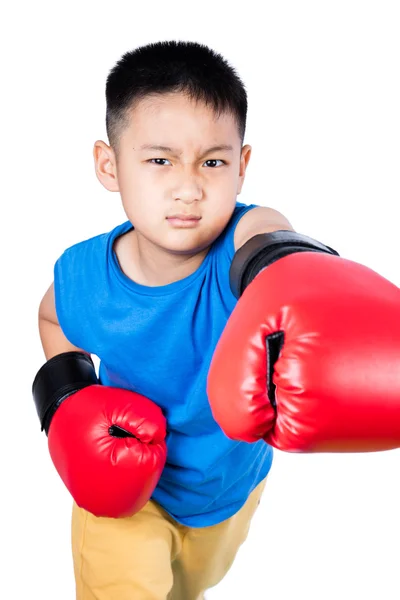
(159, 342)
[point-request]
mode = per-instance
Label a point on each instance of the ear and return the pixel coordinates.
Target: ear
(244, 161)
(105, 165)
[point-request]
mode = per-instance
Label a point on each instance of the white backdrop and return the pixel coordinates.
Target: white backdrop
(324, 98)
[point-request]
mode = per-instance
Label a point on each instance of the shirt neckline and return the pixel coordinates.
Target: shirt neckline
(138, 288)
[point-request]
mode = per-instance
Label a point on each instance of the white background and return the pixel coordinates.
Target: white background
(324, 98)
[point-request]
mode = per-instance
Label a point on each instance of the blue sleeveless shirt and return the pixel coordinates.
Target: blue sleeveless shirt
(159, 342)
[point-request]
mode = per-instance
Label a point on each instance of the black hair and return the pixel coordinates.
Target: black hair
(167, 67)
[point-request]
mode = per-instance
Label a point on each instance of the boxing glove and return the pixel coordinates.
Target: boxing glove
(309, 359)
(107, 444)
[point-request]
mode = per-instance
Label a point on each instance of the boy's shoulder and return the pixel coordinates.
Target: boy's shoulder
(239, 211)
(224, 245)
(242, 208)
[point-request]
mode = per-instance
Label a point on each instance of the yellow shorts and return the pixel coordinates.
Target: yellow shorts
(152, 557)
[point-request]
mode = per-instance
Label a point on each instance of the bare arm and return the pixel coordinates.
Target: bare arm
(259, 220)
(51, 335)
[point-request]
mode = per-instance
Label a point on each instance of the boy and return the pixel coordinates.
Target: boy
(165, 454)
(151, 299)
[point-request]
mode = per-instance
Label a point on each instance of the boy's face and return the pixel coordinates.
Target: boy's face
(186, 179)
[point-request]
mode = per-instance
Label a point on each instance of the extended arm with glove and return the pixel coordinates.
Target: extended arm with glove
(309, 359)
(107, 444)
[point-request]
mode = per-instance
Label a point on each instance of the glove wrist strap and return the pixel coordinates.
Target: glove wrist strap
(262, 250)
(57, 379)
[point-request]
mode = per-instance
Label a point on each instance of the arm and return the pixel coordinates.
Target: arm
(259, 220)
(96, 434)
(51, 335)
(308, 360)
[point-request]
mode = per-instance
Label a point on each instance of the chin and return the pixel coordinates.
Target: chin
(186, 246)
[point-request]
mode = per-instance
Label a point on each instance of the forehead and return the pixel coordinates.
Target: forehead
(181, 116)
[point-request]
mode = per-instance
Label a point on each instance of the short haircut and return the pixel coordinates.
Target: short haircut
(168, 67)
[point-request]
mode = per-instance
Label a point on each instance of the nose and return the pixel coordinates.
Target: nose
(188, 190)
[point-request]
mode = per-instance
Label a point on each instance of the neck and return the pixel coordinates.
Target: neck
(148, 264)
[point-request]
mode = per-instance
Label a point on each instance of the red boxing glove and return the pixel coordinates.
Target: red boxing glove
(309, 360)
(107, 444)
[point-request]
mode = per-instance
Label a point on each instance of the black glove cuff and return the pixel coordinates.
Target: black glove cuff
(262, 250)
(57, 379)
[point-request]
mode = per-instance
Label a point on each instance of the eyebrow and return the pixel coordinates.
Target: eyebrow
(175, 152)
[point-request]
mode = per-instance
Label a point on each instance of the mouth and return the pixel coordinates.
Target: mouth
(183, 217)
(184, 220)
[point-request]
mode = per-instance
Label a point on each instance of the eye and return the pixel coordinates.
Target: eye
(214, 160)
(151, 161)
